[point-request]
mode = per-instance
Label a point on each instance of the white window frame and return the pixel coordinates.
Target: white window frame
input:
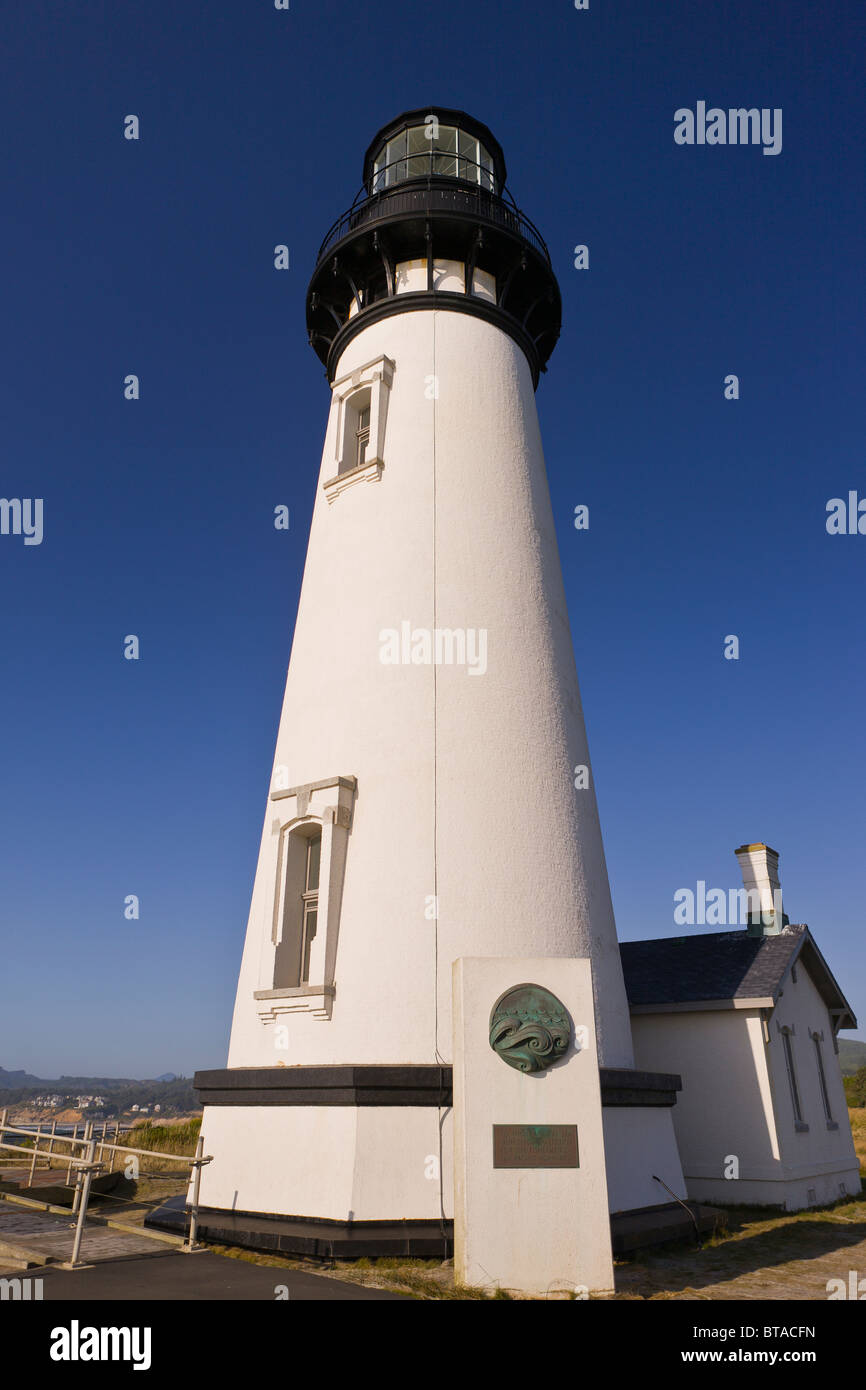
(371, 381)
(787, 1033)
(817, 1039)
(325, 808)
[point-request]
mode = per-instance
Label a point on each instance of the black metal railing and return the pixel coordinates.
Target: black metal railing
(434, 193)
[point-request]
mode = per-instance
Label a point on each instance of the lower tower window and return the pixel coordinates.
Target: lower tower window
(300, 909)
(309, 848)
(310, 899)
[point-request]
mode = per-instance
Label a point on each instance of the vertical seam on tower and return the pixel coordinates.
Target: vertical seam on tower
(439, 1058)
(435, 739)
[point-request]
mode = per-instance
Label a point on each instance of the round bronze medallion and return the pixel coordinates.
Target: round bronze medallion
(530, 1028)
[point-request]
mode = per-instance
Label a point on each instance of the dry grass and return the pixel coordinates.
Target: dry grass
(858, 1129)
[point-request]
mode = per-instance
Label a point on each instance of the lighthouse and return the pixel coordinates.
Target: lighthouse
(432, 795)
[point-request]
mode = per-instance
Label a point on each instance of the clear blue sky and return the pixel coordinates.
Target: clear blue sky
(707, 517)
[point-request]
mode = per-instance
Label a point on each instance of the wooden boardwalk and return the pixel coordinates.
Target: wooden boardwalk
(49, 1184)
(29, 1235)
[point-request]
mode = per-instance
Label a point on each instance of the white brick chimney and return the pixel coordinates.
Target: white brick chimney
(759, 866)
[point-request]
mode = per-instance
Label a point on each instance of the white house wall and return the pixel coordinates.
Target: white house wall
(736, 1103)
(725, 1106)
(820, 1158)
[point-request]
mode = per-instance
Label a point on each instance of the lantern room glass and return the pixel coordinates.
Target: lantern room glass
(415, 153)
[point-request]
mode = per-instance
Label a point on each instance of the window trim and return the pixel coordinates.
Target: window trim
(322, 808)
(369, 382)
(817, 1039)
(787, 1033)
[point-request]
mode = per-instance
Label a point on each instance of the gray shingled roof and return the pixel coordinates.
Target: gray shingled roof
(708, 965)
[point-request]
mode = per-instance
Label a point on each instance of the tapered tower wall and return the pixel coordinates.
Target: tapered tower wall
(464, 782)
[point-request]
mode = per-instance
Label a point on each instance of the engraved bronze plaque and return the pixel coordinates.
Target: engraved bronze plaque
(535, 1146)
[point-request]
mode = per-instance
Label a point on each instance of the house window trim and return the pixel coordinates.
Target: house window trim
(787, 1032)
(817, 1039)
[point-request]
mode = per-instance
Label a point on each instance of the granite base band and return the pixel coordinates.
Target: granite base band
(315, 1238)
(334, 1085)
(395, 1085)
(334, 1240)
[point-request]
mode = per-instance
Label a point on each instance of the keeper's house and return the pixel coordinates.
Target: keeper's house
(749, 1019)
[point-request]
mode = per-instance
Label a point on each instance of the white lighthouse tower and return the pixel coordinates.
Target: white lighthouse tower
(431, 796)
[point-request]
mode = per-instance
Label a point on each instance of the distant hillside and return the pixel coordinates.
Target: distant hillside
(852, 1055)
(174, 1094)
(10, 1079)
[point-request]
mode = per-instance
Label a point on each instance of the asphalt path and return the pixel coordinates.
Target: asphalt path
(173, 1276)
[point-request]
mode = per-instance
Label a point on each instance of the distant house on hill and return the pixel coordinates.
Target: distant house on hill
(749, 1019)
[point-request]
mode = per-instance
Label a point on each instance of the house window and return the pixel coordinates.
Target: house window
(362, 434)
(792, 1075)
(825, 1096)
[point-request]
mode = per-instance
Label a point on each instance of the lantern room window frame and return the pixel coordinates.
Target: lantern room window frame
(413, 153)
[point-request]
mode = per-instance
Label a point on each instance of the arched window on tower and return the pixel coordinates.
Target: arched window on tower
(300, 908)
(360, 402)
(356, 431)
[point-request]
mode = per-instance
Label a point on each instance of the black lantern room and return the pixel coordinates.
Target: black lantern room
(434, 192)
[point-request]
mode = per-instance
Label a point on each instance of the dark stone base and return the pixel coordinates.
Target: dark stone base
(645, 1226)
(426, 1240)
(317, 1239)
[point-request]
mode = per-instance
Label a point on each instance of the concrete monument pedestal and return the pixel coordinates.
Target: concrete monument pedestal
(530, 1191)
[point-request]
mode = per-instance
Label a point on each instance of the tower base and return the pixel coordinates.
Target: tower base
(345, 1161)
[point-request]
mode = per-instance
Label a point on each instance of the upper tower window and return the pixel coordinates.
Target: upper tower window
(362, 434)
(361, 408)
(442, 150)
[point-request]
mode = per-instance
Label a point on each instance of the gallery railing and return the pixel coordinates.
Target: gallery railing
(435, 191)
